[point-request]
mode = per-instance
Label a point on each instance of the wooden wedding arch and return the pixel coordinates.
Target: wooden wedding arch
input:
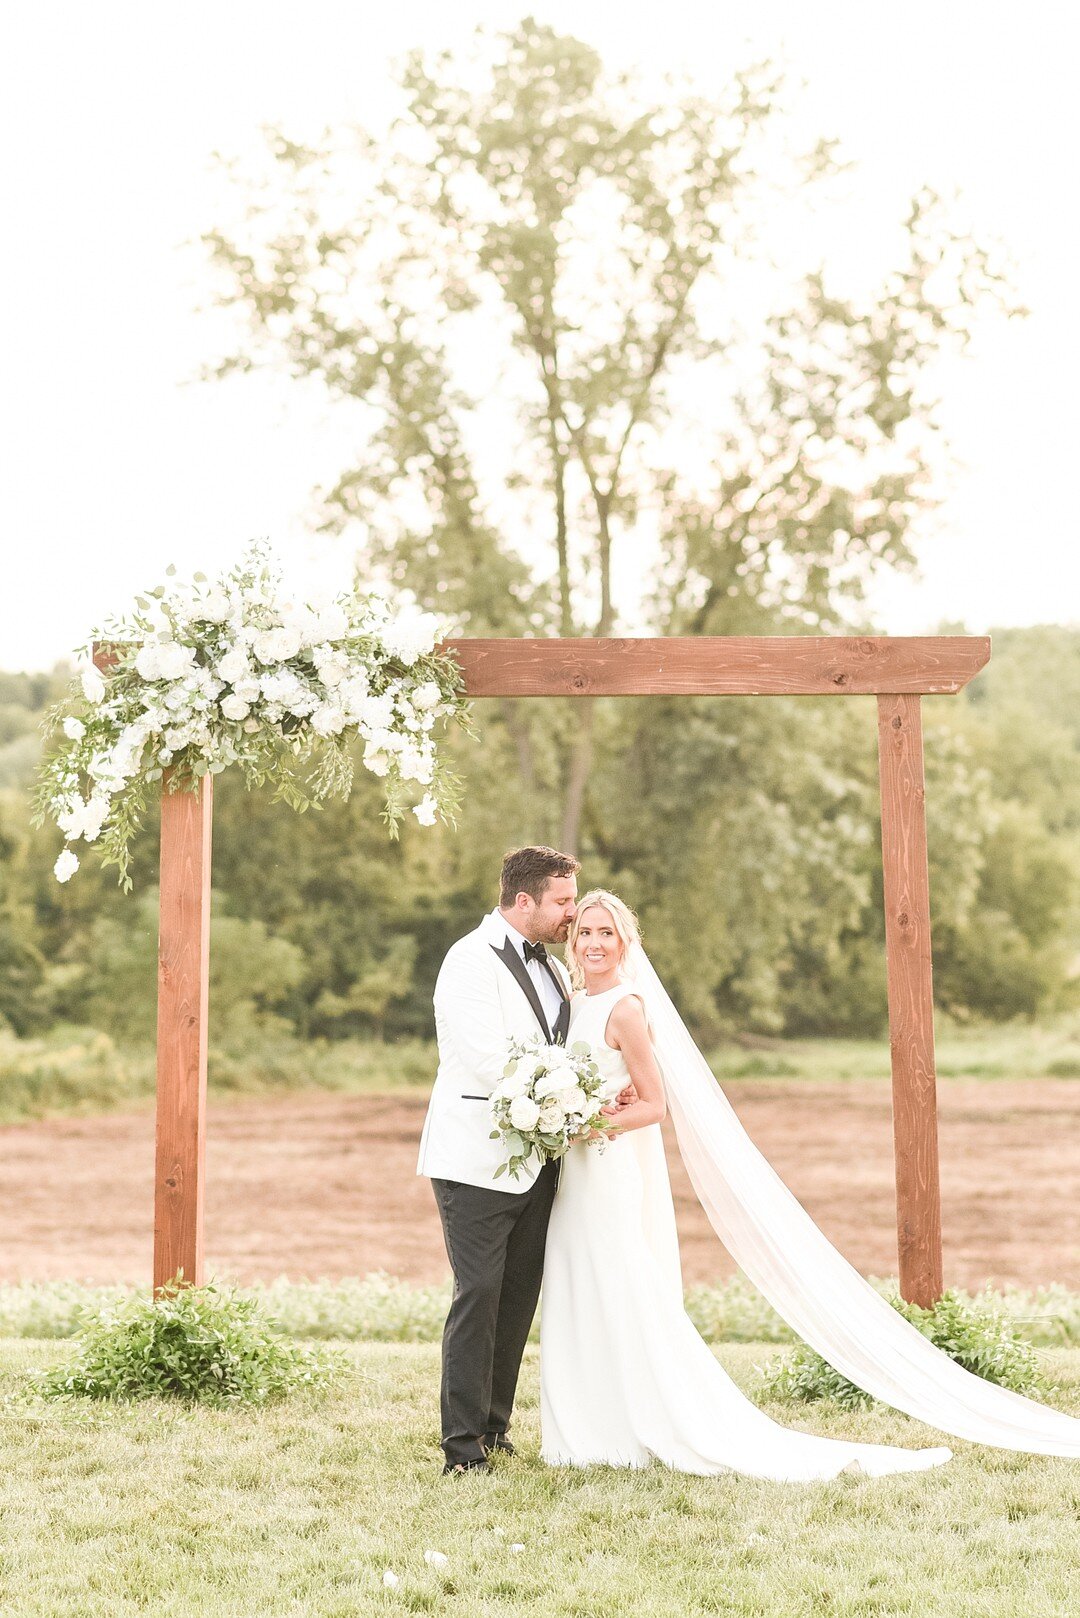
(899, 671)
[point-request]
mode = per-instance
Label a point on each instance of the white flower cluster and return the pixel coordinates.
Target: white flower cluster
(548, 1094)
(213, 674)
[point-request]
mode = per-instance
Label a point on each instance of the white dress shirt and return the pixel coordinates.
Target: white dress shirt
(550, 998)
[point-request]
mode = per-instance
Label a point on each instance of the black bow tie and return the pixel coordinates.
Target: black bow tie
(535, 952)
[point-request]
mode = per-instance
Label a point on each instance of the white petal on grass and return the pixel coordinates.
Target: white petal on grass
(436, 1558)
(390, 1579)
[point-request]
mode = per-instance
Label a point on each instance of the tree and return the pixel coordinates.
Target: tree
(541, 258)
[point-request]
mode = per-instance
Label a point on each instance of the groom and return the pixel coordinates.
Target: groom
(496, 984)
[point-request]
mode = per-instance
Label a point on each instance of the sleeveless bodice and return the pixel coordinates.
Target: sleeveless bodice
(589, 1015)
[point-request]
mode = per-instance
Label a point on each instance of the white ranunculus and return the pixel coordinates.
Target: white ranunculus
(524, 1113)
(94, 691)
(427, 810)
(233, 708)
(66, 865)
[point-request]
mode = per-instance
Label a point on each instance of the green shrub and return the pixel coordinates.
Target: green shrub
(204, 1344)
(978, 1333)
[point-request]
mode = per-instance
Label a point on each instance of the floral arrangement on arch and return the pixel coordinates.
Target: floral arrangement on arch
(240, 671)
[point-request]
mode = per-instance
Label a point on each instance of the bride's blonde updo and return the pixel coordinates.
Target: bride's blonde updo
(622, 919)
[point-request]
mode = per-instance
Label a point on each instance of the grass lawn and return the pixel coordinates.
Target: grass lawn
(299, 1510)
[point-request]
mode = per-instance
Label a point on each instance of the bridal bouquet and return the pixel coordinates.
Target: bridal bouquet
(548, 1094)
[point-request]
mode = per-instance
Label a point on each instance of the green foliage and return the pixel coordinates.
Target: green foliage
(976, 1332)
(204, 1344)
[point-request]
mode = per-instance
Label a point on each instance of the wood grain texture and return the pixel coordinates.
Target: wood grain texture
(720, 665)
(183, 1000)
(911, 999)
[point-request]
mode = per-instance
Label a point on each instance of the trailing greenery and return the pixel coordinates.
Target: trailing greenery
(297, 1509)
(206, 1344)
(380, 1309)
(978, 1333)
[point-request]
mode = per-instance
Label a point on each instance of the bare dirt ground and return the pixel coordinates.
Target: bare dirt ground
(324, 1185)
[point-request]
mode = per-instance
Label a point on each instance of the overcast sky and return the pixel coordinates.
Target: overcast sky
(116, 464)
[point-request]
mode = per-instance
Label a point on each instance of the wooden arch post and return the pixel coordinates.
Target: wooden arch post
(899, 671)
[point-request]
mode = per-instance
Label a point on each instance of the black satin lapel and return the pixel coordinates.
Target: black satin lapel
(510, 957)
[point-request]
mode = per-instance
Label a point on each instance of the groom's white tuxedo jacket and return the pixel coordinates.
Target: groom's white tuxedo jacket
(484, 998)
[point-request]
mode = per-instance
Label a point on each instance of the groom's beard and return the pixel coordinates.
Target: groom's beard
(555, 935)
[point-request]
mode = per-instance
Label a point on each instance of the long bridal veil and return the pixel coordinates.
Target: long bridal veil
(821, 1296)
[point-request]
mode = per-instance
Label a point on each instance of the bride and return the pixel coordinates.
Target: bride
(624, 1376)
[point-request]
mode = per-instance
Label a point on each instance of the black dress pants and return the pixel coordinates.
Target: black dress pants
(495, 1244)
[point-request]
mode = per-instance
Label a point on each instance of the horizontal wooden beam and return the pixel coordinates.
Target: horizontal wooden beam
(721, 665)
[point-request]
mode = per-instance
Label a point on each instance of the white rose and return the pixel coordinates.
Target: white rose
(74, 728)
(427, 695)
(515, 1085)
(213, 608)
(551, 1084)
(417, 765)
(233, 708)
(574, 1099)
(66, 865)
(251, 726)
(410, 635)
(426, 810)
(94, 691)
(552, 1116)
(234, 666)
(524, 1113)
(94, 817)
(328, 719)
(378, 712)
(247, 690)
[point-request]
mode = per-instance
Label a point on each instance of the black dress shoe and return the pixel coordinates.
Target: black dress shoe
(498, 1442)
(454, 1468)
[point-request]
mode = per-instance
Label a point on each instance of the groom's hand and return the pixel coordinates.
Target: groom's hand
(625, 1098)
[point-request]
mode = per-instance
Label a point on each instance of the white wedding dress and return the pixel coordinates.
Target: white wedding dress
(625, 1378)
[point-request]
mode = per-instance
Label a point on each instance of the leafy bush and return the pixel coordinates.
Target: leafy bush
(205, 1344)
(978, 1333)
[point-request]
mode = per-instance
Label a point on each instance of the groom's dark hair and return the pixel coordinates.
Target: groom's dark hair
(529, 870)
